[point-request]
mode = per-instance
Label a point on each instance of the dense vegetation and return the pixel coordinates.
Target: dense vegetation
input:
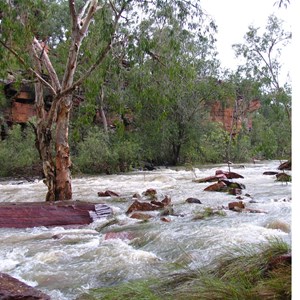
(156, 86)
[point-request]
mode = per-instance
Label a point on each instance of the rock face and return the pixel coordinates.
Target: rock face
(225, 115)
(13, 289)
(60, 213)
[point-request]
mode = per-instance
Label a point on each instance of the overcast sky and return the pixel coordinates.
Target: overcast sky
(233, 18)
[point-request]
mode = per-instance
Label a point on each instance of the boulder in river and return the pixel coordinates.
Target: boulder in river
(286, 165)
(108, 193)
(210, 178)
(236, 206)
(141, 206)
(193, 200)
(229, 175)
(217, 187)
(151, 193)
(270, 173)
(283, 177)
(12, 288)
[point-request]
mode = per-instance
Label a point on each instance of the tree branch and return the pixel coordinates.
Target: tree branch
(83, 10)
(20, 59)
(99, 59)
(49, 66)
(73, 13)
(87, 19)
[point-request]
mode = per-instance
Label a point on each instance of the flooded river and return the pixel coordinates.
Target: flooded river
(65, 263)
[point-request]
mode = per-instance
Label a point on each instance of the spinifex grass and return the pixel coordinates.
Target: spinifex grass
(251, 272)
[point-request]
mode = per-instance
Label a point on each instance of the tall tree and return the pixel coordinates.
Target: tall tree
(262, 54)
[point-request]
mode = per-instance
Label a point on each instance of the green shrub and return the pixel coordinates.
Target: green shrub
(18, 152)
(101, 153)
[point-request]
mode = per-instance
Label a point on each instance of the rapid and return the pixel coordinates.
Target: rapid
(66, 262)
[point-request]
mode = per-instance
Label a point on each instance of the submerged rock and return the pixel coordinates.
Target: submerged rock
(236, 206)
(270, 173)
(283, 177)
(193, 200)
(108, 193)
(229, 175)
(217, 187)
(142, 206)
(286, 165)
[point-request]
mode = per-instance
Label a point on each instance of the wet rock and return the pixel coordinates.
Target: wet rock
(166, 201)
(164, 219)
(149, 166)
(157, 203)
(209, 179)
(270, 173)
(229, 175)
(142, 206)
(217, 187)
(236, 206)
(151, 193)
(234, 191)
(234, 185)
(254, 211)
(57, 236)
(11, 288)
(209, 212)
(286, 165)
(168, 211)
(137, 196)
(253, 201)
(108, 193)
(283, 177)
(278, 261)
(193, 200)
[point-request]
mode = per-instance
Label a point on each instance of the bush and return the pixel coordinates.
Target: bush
(18, 152)
(101, 153)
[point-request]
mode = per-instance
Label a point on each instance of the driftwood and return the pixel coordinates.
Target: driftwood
(60, 213)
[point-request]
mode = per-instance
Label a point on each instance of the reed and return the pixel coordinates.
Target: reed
(251, 272)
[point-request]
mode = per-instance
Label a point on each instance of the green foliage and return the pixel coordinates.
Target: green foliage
(212, 148)
(101, 153)
(137, 290)
(17, 151)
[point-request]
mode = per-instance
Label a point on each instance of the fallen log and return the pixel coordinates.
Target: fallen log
(60, 213)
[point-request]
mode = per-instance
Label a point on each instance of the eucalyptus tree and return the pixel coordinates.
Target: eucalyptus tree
(57, 60)
(262, 53)
(170, 86)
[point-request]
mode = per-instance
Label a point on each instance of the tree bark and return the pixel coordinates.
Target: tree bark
(43, 133)
(63, 188)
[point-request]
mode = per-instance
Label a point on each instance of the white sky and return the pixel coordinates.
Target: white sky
(233, 18)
